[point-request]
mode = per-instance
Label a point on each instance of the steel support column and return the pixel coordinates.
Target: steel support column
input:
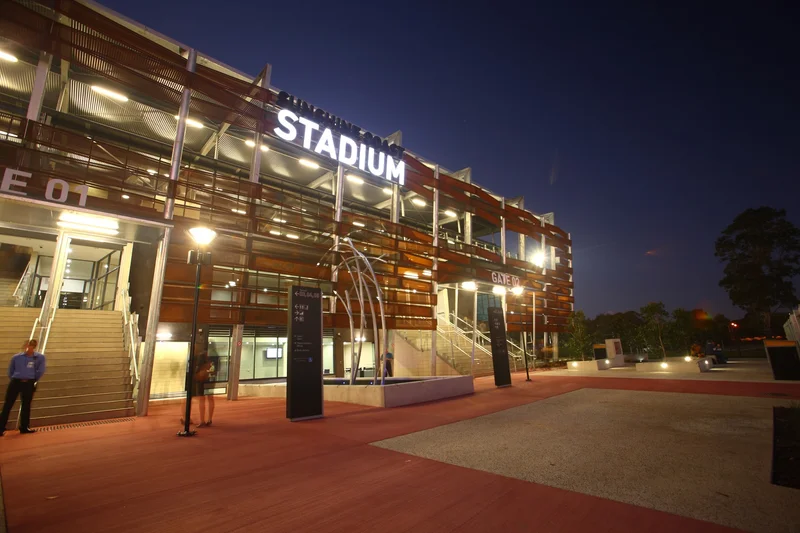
(235, 363)
(434, 284)
(255, 161)
(39, 84)
(148, 352)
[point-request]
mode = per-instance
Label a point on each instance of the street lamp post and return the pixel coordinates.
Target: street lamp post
(202, 237)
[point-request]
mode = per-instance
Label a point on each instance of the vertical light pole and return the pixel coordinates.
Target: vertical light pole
(738, 340)
(202, 238)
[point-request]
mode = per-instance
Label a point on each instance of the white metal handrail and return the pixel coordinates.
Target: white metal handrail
(131, 333)
(23, 282)
(43, 345)
(485, 337)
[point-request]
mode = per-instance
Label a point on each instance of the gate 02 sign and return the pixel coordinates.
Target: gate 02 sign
(304, 367)
(497, 333)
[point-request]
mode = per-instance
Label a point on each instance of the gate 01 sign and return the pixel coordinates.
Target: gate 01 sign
(304, 367)
(497, 333)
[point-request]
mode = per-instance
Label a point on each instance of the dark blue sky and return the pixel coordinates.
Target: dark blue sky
(665, 122)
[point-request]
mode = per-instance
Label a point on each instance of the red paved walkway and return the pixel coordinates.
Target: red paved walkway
(255, 471)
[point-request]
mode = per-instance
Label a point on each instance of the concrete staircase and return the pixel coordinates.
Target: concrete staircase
(7, 288)
(88, 371)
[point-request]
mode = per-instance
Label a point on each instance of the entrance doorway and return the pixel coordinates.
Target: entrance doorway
(90, 271)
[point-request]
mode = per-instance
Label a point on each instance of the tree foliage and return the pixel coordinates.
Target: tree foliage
(579, 340)
(761, 252)
(654, 323)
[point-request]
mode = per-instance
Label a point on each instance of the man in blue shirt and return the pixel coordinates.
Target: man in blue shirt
(24, 370)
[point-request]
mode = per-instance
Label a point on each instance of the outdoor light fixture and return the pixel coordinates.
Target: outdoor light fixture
(359, 224)
(308, 163)
(664, 365)
(191, 122)
(232, 283)
(275, 232)
(418, 201)
(252, 144)
(279, 220)
(164, 336)
(688, 359)
(450, 213)
(110, 94)
(608, 362)
(427, 272)
(538, 259)
(387, 191)
(497, 289)
(89, 224)
(202, 236)
(412, 275)
(8, 134)
(152, 172)
(292, 236)
(469, 285)
(239, 211)
(519, 289)
(8, 57)
(125, 197)
(355, 179)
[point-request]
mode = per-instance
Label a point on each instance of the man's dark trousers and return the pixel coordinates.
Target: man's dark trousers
(18, 387)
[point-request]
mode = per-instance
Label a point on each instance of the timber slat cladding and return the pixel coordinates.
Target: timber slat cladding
(248, 216)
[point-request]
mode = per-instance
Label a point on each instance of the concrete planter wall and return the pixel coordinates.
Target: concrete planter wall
(394, 395)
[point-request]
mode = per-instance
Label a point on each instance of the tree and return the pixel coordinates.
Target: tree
(682, 332)
(654, 321)
(579, 340)
(761, 252)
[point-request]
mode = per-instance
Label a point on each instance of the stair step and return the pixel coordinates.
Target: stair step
(77, 401)
(81, 390)
(65, 409)
(79, 352)
(53, 420)
(57, 383)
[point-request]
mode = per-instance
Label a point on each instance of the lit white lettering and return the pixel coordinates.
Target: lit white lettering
(346, 143)
(287, 120)
(396, 171)
(378, 171)
(362, 157)
(9, 181)
(350, 152)
(309, 127)
(325, 144)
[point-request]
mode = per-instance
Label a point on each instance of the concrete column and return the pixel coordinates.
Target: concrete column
(394, 208)
(148, 351)
(554, 336)
(39, 84)
(235, 364)
(255, 161)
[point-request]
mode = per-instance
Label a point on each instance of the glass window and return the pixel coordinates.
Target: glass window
(219, 350)
(327, 356)
(247, 368)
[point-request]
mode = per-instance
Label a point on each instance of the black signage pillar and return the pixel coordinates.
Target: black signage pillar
(304, 368)
(497, 333)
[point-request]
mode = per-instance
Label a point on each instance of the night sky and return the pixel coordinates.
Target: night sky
(645, 129)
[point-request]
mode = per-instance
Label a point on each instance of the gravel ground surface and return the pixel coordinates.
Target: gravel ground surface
(701, 456)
